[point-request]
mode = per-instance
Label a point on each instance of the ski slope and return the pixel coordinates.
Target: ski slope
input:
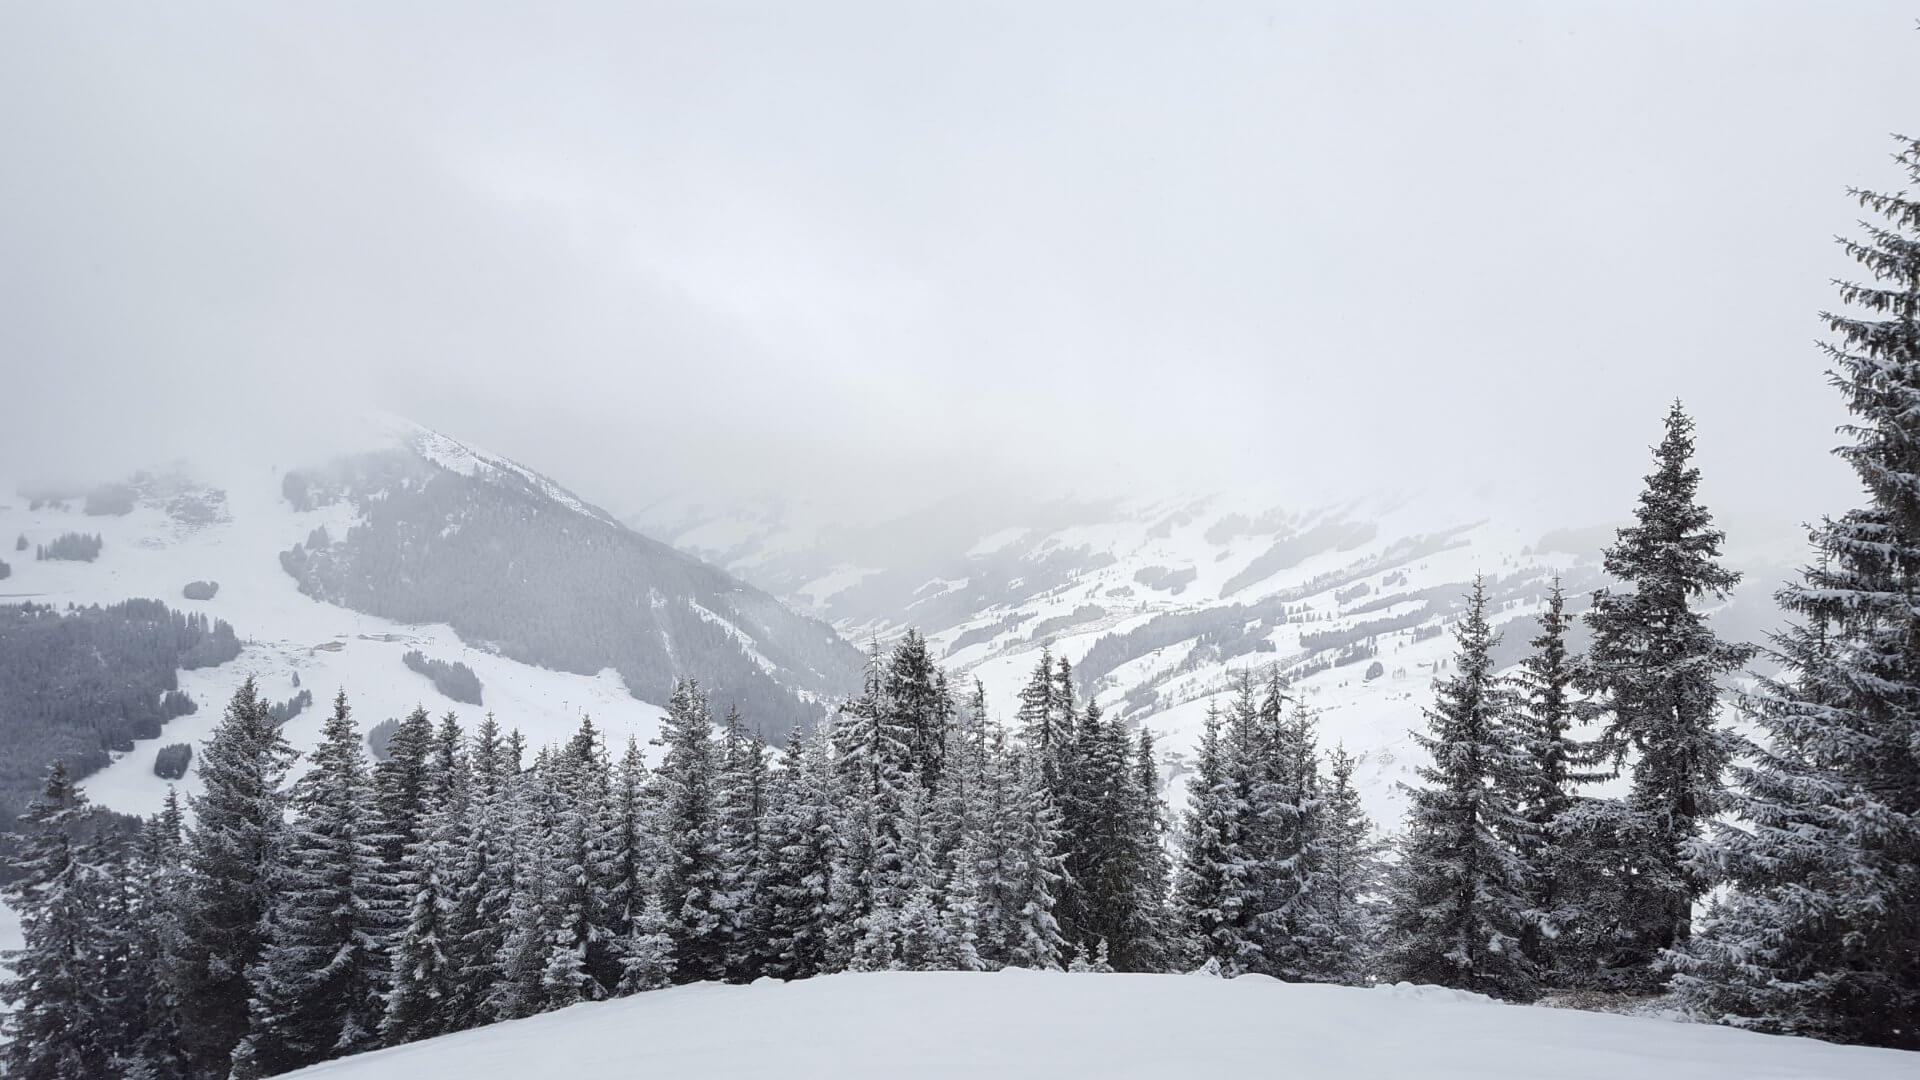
(1013, 1024)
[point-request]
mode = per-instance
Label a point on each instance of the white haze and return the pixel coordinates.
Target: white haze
(857, 252)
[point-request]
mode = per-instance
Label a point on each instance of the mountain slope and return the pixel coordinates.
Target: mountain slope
(231, 523)
(1014, 1024)
(440, 532)
(1162, 606)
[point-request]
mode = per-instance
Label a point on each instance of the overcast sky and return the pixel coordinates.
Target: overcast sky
(831, 247)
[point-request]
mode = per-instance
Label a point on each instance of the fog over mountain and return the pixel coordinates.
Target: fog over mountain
(866, 251)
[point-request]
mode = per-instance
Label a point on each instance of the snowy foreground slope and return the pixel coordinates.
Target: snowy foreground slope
(1013, 1024)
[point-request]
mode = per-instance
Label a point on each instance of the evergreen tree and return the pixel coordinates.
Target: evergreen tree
(520, 989)
(1283, 815)
(1030, 828)
(401, 791)
(157, 882)
(1109, 855)
(1215, 890)
(802, 848)
(1038, 720)
(646, 954)
(483, 877)
(741, 803)
(1460, 897)
(1655, 664)
(1343, 922)
(1149, 941)
(424, 953)
(873, 770)
(1545, 717)
(1821, 933)
(582, 961)
(234, 853)
(64, 1020)
(317, 986)
(630, 856)
(916, 695)
(692, 884)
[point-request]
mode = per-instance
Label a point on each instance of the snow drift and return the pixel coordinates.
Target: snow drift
(1014, 1024)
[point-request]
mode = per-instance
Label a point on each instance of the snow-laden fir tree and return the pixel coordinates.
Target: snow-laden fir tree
(1029, 831)
(1655, 665)
(319, 982)
(1152, 937)
(520, 989)
(156, 880)
(424, 954)
(873, 766)
(1284, 821)
(921, 708)
(583, 962)
(1821, 933)
(741, 807)
(482, 876)
(1546, 716)
(1216, 887)
(400, 793)
(1342, 923)
(631, 855)
(646, 952)
(234, 856)
(1111, 852)
(1460, 893)
(64, 1019)
(801, 850)
(692, 879)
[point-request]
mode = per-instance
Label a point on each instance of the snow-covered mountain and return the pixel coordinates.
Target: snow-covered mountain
(330, 574)
(1013, 1024)
(1162, 605)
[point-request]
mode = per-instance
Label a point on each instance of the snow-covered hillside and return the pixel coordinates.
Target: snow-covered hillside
(231, 524)
(1162, 605)
(1014, 1024)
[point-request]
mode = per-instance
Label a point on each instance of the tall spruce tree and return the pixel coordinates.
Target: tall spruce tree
(873, 763)
(1216, 886)
(630, 852)
(318, 984)
(801, 849)
(483, 877)
(740, 805)
(1546, 717)
(582, 961)
(401, 790)
(1821, 933)
(1152, 936)
(157, 881)
(424, 954)
(1459, 905)
(64, 1019)
(1284, 820)
(1342, 921)
(1655, 665)
(692, 876)
(234, 853)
